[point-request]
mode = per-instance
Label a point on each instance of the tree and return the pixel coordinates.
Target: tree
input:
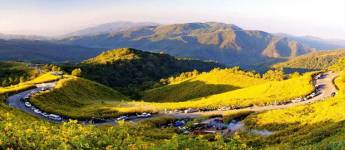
(5, 82)
(22, 79)
(274, 75)
(76, 72)
(56, 68)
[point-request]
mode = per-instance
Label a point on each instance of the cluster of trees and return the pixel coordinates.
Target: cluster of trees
(274, 75)
(12, 80)
(180, 77)
(13, 73)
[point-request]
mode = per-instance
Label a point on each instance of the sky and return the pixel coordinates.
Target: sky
(321, 18)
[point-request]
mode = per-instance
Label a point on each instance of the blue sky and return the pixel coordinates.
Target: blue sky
(323, 18)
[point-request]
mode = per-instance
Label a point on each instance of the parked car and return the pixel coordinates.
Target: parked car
(55, 117)
(37, 111)
(45, 114)
(144, 115)
(122, 118)
(190, 110)
(27, 104)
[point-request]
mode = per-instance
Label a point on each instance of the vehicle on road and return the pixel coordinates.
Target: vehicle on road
(37, 111)
(27, 104)
(122, 118)
(55, 117)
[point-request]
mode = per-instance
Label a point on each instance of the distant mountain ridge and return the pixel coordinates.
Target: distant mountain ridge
(220, 42)
(44, 52)
(109, 28)
(224, 43)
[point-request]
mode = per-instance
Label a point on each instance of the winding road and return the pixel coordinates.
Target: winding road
(16, 101)
(325, 84)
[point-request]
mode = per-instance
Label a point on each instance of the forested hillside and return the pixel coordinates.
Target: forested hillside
(315, 60)
(130, 70)
(12, 73)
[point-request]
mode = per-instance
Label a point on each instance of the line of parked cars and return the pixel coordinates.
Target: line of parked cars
(27, 104)
(138, 116)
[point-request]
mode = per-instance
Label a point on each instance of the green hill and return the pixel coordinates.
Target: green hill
(260, 95)
(77, 97)
(312, 61)
(205, 84)
(130, 70)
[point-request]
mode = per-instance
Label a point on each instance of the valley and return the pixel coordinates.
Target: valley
(156, 96)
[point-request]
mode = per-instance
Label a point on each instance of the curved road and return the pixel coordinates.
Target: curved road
(16, 101)
(325, 83)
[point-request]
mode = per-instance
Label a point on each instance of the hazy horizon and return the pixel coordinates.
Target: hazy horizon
(324, 19)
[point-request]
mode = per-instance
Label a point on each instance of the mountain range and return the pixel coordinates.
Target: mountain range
(224, 43)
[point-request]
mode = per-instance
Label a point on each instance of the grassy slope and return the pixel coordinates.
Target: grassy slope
(77, 97)
(315, 60)
(317, 125)
(215, 82)
(48, 77)
(258, 95)
(130, 71)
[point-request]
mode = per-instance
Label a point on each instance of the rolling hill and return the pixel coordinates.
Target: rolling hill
(313, 61)
(205, 84)
(224, 43)
(77, 97)
(129, 70)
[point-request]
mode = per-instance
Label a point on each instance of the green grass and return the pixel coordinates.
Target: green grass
(79, 98)
(214, 82)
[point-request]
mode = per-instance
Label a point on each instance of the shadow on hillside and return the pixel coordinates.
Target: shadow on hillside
(300, 70)
(185, 91)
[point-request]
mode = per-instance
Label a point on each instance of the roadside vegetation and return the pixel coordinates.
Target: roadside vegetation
(19, 130)
(315, 126)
